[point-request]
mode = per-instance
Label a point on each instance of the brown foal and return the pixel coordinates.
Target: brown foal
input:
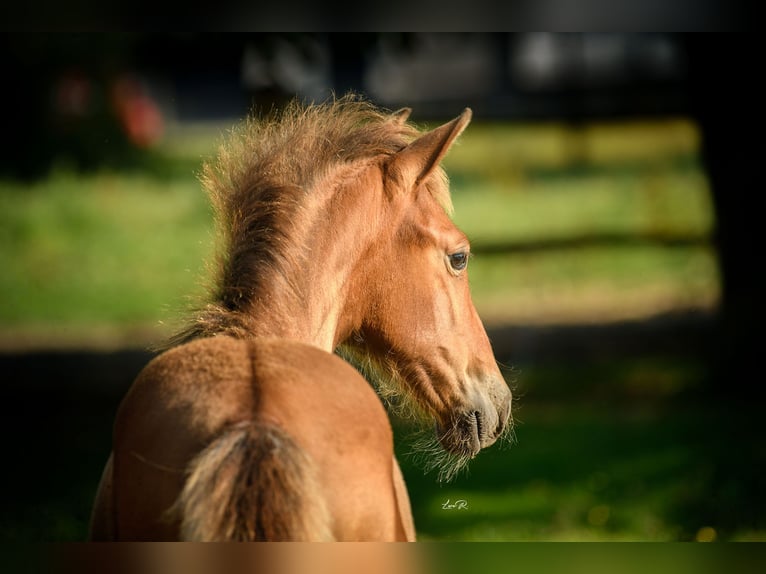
(336, 235)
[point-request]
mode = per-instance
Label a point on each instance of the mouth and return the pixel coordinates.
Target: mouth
(466, 436)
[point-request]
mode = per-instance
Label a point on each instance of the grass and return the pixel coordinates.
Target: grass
(588, 469)
(623, 212)
(594, 284)
(577, 474)
(105, 249)
(634, 202)
(598, 462)
(123, 252)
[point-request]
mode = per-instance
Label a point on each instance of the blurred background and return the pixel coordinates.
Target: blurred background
(612, 186)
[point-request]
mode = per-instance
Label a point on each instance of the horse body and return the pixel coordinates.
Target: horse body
(201, 394)
(336, 235)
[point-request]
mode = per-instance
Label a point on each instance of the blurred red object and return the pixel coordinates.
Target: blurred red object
(137, 112)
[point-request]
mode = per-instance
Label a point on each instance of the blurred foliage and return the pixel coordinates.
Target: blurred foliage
(497, 150)
(594, 284)
(127, 248)
(670, 201)
(75, 98)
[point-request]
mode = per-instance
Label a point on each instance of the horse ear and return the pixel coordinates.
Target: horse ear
(401, 116)
(419, 159)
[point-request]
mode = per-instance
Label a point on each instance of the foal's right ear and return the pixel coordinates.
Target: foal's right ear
(418, 160)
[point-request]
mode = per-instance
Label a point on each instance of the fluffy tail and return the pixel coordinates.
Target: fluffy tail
(253, 483)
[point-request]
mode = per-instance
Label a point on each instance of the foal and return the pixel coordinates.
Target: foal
(336, 233)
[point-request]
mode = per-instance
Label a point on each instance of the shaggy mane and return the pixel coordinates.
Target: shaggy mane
(258, 183)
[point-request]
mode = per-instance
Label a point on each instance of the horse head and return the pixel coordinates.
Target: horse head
(419, 322)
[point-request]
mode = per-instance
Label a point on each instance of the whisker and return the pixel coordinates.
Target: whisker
(506, 367)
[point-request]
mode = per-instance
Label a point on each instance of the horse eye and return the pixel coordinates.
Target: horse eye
(458, 261)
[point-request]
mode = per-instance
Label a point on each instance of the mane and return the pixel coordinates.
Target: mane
(258, 184)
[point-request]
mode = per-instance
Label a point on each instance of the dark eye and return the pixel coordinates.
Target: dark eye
(458, 261)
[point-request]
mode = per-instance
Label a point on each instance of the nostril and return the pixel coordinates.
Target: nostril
(479, 429)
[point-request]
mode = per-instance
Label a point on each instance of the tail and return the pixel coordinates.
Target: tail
(253, 483)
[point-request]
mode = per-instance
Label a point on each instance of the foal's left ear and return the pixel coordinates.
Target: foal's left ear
(420, 158)
(401, 116)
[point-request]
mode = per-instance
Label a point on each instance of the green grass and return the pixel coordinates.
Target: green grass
(551, 558)
(605, 450)
(100, 249)
(594, 284)
(667, 201)
(124, 251)
(596, 471)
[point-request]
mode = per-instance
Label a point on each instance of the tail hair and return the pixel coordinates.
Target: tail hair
(253, 483)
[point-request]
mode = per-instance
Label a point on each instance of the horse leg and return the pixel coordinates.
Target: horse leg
(403, 503)
(101, 528)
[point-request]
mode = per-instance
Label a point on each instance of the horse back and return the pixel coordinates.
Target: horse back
(335, 416)
(176, 406)
(191, 396)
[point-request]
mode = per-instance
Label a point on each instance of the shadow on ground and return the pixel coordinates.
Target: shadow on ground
(608, 415)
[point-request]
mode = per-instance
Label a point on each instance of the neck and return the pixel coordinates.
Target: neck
(312, 305)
